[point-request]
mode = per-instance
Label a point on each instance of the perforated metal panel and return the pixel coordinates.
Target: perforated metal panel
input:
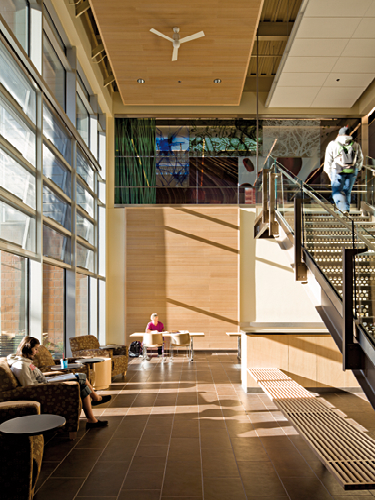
(346, 452)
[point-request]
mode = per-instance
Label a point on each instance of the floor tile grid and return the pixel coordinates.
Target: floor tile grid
(220, 397)
(77, 442)
(169, 440)
(271, 407)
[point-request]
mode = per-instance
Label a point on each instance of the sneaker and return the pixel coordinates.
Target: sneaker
(98, 424)
(104, 399)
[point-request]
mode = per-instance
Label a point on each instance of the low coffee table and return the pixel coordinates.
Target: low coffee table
(32, 425)
(102, 370)
(71, 366)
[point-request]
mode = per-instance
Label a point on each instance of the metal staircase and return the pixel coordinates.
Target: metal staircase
(337, 250)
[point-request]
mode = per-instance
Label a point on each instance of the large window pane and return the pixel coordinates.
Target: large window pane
(54, 130)
(13, 302)
(16, 83)
(56, 171)
(83, 120)
(17, 227)
(16, 15)
(84, 169)
(53, 71)
(102, 311)
(56, 245)
(85, 228)
(54, 29)
(53, 308)
(85, 257)
(85, 200)
(102, 240)
(16, 179)
(56, 208)
(17, 132)
(82, 305)
(102, 191)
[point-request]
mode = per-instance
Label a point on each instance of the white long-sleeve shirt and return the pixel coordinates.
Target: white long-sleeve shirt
(25, 371)
(334, 150)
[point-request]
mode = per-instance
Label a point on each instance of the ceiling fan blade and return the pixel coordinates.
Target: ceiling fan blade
(175, 54)
(192, 37)
(161, 34)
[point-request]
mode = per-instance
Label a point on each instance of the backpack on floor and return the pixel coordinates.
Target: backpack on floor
(135, 349)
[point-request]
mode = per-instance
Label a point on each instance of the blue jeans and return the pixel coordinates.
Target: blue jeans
(342, 185)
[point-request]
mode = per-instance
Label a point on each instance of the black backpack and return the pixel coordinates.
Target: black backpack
(135, 349)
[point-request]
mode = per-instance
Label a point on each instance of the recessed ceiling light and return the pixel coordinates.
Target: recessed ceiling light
(140, 80)
(338, 79)
(217, 80)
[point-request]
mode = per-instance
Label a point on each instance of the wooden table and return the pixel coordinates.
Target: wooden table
(171, 334)
(102, 371)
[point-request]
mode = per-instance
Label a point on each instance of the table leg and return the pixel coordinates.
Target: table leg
(191, 348)
(239, 348)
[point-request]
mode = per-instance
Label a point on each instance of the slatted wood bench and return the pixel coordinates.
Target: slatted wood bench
(345, 451)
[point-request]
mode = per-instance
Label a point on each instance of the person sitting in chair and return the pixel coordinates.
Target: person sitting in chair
(155, 326)
(28, 374)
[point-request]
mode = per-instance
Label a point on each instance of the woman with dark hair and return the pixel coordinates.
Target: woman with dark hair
(28, 374)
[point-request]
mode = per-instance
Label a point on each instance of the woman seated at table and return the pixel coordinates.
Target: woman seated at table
(28, 374)
(155, 326)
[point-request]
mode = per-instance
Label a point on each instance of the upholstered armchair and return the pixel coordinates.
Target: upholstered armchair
(20, 456)
(44, 361)
(60, 398)
(88, 346)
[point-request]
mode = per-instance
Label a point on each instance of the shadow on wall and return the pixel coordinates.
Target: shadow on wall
(201, 311)
(201, 240)
(204, 216)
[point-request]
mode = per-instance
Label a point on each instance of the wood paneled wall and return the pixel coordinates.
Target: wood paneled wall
(183, 263)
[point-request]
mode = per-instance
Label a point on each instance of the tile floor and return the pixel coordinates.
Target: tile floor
(187, 430)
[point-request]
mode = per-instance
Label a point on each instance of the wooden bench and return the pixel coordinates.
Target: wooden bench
(345, 451)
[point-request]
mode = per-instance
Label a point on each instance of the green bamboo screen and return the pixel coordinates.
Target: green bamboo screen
(135, 161)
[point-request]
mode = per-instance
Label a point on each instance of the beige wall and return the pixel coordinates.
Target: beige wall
(312, 361)
(183, 264)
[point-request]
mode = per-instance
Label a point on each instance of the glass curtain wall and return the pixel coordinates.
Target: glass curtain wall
(16, 14)
(13, 301)
(54, 72)
(62, 236)
(53, 308)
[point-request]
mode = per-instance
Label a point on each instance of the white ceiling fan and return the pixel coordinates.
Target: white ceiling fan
(176, 39)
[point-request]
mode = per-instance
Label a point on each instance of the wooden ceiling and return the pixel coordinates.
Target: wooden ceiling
(277, 20)
(134, 52)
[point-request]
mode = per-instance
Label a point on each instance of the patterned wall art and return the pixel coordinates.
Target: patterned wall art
(172, 156)
(223, 138)
(297, 147)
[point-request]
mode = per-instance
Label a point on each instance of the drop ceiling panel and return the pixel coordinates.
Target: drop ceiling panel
(342, 8)
(283, 98)
(134, 52)
(335, 38)
(355, 65)
(323, 47)
(365, 28)
(302, 79)
(348, 80)
(309, 64)
(317, 27)
(357, 47)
